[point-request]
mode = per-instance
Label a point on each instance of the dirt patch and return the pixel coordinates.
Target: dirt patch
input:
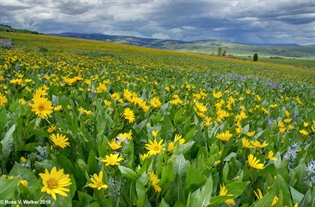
(6, 43)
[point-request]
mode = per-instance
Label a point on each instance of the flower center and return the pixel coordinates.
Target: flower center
(52, 183)
(99, 184)
(41, 107)
(156, 148)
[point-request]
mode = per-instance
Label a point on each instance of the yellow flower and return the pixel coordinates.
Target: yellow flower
(170, 146)
(154, 181)
(154, 133)
(57, 108)
(223, 192)
(23, 159)
(254, 163)
(42, 107)
(3, 100)
(112, 159)
(154, 147)
(23, 182)
(144, 156)
(250, 134)
(97, 181)
(129, 115)
(155, 102)
(179, 138)
(270, 156)
(259, 194)
(275, 200)
(246, 143)
(114, 145)
(225, 136)
(55, 182)
(222, 114)
(216, 94)
(51, 128)
(59, 140)
(257, 144)
(303, 132)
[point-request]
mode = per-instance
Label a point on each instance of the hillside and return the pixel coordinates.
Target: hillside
(203, 46)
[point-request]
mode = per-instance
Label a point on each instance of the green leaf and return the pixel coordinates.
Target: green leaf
(73, 186)
(7, 188)
(267, 199)
(92, 162)
(65, 164)
(180, 164)
(194, 176)
(201, 197)
(141, 193)
(296, 195)
(216, 200)
(127, 172)
(281, 185)
(184, 148)
(163, 203)
(24, 174)
(190, 135)
(167, 129)
(7, 143)
(167, 174)
(236, 188)
(178, 118)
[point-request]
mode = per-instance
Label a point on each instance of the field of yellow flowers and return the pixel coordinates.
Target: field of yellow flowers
(88, 123)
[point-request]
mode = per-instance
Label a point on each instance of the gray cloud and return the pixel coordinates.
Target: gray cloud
(247, 21)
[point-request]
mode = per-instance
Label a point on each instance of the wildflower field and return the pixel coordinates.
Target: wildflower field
(88, 123)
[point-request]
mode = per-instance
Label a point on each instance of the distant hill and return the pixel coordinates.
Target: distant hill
(7, 28)
(204, 46)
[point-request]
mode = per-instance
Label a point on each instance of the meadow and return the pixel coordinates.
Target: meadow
(90, 123)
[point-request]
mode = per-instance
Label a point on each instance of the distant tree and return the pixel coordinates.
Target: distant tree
(219, 51)
(224, 53)
(255, 57)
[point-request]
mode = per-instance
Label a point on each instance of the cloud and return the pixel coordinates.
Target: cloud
(242, 21)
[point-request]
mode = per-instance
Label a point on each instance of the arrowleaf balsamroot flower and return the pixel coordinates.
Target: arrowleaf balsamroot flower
(225, 136)
(223, 192)
(129, 115)
(97, 181)
(3, 100)
(55, 182)
(112, 159)
(270, 156)
(154, 147)
(113, 145)
(59, 140)
(154, 181)
(254, 163)
(42, 107)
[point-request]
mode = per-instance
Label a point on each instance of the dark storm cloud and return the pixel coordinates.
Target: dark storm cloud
(241, 21)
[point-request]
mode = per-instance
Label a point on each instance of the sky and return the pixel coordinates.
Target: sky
(247, 21)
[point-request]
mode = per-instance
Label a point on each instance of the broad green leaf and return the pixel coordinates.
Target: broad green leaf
(7, 143)
(66, 164)
(267, 199)
(236, 188)
(141, 193)
(24, 174)
(7, 188)
(178, 118)
(201, 197)
(218, 199)
(180, 164)
(194, 176)
(296, 195)
(167, 174)
(92, 162)
(184, 148)
(127, 172)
